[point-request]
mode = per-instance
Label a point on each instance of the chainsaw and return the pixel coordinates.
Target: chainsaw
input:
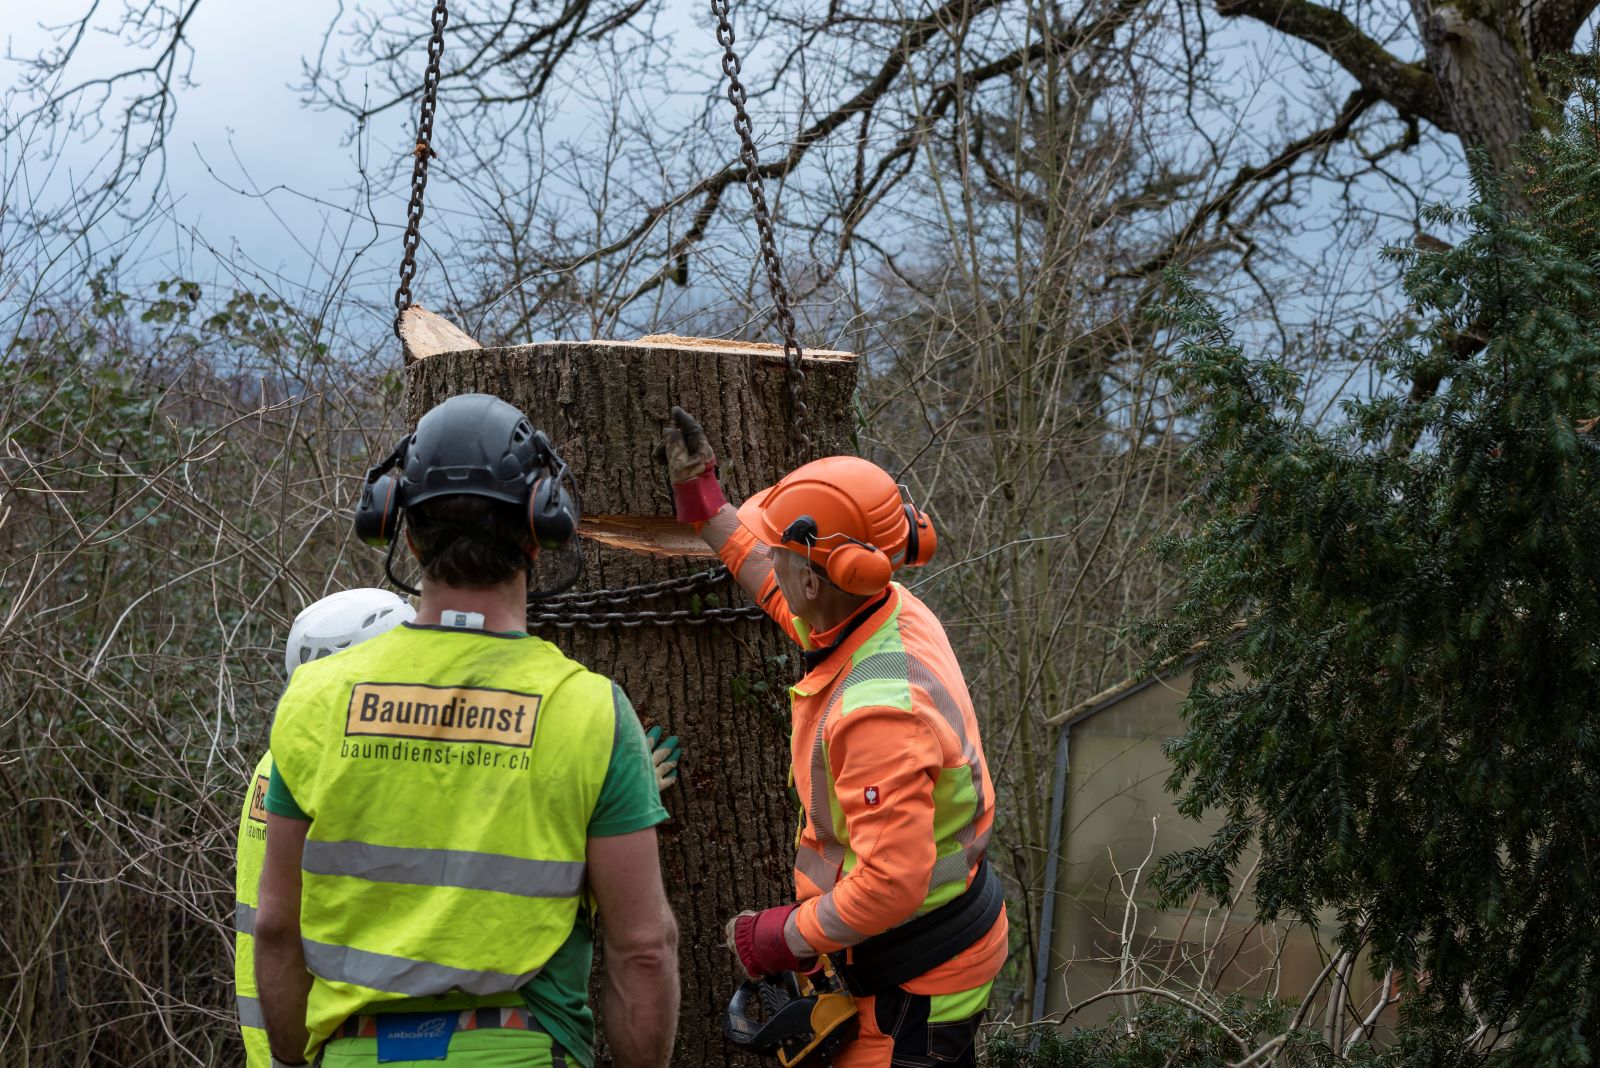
(802, 1020)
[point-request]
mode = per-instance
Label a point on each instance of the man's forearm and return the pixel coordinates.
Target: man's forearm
(752, 572)
(641, 1005)
(284, 985)
(716, 531)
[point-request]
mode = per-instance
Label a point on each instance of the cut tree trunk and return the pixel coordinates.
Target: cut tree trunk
(722, 687)
(424, 334)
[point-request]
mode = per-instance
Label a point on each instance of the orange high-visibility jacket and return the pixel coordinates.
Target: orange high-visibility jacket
(897, 799)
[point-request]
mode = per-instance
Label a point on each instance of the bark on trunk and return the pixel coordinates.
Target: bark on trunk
(722, 688)
(1485, 69)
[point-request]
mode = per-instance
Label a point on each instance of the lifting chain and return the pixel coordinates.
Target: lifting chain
(422, 153)
(570, 610)
(800, 414)
(557, 611)
(540, 613)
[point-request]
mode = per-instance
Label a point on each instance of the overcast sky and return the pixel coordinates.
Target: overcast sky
(262, 188)
(267, 194)
(254, 176)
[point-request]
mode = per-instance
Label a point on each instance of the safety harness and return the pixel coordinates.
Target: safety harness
(917, 946)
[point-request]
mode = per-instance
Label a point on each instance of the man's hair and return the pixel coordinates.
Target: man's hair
(469, 541)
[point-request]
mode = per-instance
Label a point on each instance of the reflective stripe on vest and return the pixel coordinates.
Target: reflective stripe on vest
(250, 1012)
(878, 666)
(251, 852)
(445, 867)
(403, 975)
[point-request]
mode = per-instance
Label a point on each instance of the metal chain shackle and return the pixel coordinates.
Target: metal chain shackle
(769, 245)
(422, 153)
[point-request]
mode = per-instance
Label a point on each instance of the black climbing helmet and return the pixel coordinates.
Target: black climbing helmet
(476, 445)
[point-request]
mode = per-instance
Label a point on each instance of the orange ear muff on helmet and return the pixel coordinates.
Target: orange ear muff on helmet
(858, 568)
(855, 567)
(921, 538)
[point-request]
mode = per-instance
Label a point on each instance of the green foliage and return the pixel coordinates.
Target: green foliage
(1398, 698)
(1163, 1033)
(768, 693)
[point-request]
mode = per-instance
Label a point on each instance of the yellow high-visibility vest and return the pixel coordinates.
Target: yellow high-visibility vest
(252, 852)
(450, 777)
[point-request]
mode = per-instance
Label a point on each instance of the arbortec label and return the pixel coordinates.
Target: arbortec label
(258, 799)
(442, 713)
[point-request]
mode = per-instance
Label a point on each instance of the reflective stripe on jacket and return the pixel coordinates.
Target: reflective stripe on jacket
(888, 763)
(251, 854)
(450, 777)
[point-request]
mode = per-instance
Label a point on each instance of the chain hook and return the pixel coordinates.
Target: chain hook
(421, 154)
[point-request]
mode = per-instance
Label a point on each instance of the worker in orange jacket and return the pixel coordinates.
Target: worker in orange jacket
(890, 870)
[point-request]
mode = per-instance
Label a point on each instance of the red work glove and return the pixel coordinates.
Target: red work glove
(692, 467)
(757, 938)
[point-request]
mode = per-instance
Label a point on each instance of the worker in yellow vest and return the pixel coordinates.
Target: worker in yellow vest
(891, 874)
(445, 797)
(336, 622)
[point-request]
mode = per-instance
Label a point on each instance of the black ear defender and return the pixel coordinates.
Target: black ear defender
(554, 511)
(552, 500)
(378, 511)
(921, 539)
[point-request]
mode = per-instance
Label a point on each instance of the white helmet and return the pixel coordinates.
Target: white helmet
(341, 620)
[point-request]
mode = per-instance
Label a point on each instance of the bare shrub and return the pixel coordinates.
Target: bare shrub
(174, 486)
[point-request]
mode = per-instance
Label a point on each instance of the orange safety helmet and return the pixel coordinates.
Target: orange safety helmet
(846, 514)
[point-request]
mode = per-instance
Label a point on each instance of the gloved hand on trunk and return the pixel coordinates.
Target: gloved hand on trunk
(692, 468)
(664, 755)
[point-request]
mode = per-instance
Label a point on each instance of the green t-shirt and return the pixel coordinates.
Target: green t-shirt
(558, 997)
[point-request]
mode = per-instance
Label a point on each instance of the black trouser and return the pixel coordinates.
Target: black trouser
(912, 1042)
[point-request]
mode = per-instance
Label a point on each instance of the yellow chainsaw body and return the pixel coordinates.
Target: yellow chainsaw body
(833, 1023)
(805, 1023)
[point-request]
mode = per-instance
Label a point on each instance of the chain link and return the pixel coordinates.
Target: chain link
(630, 619)
(647, 591)
(422, 153)
(565, 619)
(800, 414)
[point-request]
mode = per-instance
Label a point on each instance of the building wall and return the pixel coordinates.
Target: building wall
(1118, 819)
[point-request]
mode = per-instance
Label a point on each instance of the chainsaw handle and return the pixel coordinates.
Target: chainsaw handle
(739, 1028)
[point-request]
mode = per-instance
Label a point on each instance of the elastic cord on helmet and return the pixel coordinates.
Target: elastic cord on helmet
(388, 560)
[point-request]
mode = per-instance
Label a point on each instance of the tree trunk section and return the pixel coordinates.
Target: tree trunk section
(721, 687)
(1485, 70)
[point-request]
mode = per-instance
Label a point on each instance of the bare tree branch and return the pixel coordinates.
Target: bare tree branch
(1552, 25)
(1408, 87)
(1219, 207)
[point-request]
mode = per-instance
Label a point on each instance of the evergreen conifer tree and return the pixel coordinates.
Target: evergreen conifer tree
(1397, 699)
